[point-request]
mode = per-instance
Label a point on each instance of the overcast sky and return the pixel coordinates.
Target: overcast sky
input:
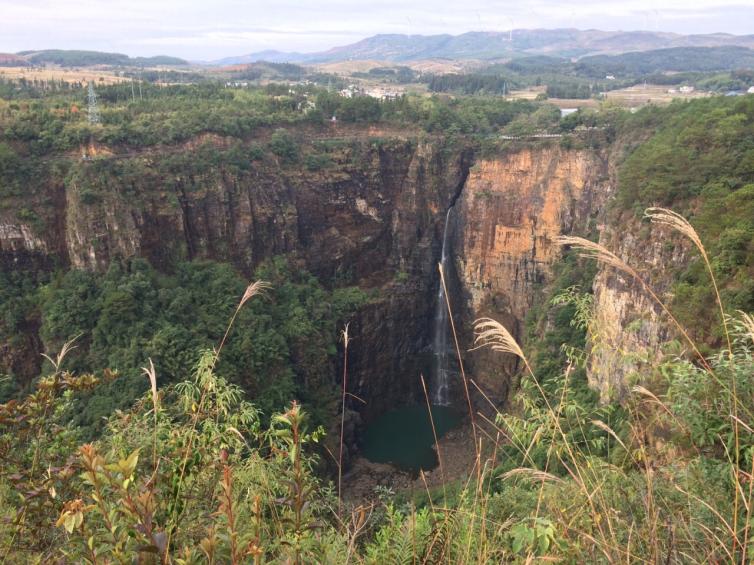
(209, 29)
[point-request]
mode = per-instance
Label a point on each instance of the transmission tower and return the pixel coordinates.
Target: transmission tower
(93, 110)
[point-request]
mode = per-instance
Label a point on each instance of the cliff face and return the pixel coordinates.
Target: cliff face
(373, 217)
(630, 326)
(511, 210)
(369, 218)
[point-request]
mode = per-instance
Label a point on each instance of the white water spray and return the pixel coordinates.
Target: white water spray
(440, 342)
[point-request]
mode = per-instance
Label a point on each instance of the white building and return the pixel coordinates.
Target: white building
(751, 90)
(686, 89)
(383, 93)
(350, 91)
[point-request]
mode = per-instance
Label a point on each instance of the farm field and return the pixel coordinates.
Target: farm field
(89, 74)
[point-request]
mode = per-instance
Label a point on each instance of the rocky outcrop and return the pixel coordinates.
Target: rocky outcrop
(509, 214)
(629, 325)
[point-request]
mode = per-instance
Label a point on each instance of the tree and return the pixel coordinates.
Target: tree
(283, 145)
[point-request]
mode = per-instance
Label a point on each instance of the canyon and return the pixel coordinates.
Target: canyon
(374, 217)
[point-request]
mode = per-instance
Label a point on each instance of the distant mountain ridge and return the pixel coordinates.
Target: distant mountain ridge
(486, 45)
(674, 59)
(269, 55)
(81, 58)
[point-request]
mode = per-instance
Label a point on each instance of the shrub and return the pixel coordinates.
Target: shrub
(283, 145)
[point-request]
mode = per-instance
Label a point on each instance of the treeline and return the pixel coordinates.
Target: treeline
(586, 77)
(79, 58)
(165, 76)
(559, 76)
(34, 88)
(264, 69)
(675, 59)
(146, 115)
(471, 84)
(399, 74)
(569, 90)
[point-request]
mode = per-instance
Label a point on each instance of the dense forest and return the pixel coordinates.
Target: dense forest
(184, 414)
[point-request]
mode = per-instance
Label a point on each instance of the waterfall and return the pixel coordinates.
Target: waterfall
(440, 343)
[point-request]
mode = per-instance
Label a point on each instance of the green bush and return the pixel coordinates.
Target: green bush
(283, 145)
(317, 162)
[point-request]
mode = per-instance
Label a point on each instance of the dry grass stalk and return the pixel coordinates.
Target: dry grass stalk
(653, 399)
(360, 518)
(458, 354)
(67, 348)
(152, 375)
(748, 322)
(491, 333)
(342, 416)
(533, 474)
(675, 221)
(665, 217)
(593, 250)
(604, 427)
(434, 435)
(254, 289)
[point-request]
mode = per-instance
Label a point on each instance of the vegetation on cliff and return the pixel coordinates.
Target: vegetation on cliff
(700, 160)
(117, 318)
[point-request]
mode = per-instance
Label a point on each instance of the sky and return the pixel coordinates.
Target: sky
(211, 29)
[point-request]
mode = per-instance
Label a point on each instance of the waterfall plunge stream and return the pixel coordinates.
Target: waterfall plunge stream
(440, 342)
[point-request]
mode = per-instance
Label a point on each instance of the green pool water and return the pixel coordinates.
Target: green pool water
(404, 437)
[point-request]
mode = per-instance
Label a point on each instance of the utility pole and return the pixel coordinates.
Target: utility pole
(93, 110)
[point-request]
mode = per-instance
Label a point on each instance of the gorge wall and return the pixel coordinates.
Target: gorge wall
(369, 218)
(373, 217)
(512, 208)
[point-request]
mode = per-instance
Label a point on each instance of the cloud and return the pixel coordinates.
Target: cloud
(202, 30)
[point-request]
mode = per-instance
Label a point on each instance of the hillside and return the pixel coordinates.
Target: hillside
(11, 60)
(496, 45)
(77, 58)
(676, 59)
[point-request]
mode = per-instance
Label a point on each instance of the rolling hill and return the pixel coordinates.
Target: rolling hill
(571, 43)
(78, 58)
